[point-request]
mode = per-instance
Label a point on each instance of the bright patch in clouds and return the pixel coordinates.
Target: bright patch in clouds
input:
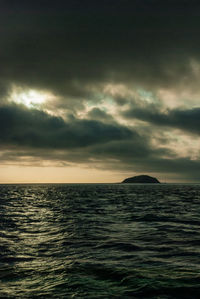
(29, 97)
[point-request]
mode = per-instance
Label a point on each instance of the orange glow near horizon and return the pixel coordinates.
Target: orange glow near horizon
(13, 174)
(26, 174)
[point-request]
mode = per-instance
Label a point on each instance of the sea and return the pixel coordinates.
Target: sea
(100, 241)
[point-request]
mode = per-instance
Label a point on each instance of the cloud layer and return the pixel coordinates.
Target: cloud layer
(186, 120)
(66, 45)
(124, 77)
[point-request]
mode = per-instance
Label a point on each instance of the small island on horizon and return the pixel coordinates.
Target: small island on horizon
(141, 179)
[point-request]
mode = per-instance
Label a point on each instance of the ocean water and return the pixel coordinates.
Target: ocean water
(100, 241)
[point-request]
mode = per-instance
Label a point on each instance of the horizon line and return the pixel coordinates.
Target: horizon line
(121, 183)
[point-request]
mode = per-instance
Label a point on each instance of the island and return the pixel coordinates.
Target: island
(141, 179)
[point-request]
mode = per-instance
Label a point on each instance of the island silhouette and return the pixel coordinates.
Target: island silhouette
(141, 179)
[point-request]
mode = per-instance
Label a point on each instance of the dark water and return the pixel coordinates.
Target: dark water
(100, 241)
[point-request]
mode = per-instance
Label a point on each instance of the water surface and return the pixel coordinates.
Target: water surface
(100, 241)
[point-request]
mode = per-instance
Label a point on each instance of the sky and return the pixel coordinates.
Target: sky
(97, 91)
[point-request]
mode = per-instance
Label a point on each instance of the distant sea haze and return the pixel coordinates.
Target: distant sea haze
(100, 241)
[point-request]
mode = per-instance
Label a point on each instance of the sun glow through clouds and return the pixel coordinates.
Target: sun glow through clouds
(29, 97)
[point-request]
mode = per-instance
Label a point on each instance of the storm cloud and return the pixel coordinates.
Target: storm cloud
(186, 120)
(65, 45)
(29, 127)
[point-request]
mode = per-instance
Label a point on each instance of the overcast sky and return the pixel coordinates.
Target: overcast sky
(96, 91)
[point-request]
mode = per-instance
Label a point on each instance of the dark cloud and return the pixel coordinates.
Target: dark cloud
(184, 119)
(99, 114)
(64, 45)
(87, 138)
(36, 134)
(29, 136)
(37, 129)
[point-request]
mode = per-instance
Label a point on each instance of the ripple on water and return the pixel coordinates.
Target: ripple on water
(104, 241)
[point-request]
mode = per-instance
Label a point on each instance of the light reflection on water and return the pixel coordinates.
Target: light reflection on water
(104, 241)
(31, 239)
